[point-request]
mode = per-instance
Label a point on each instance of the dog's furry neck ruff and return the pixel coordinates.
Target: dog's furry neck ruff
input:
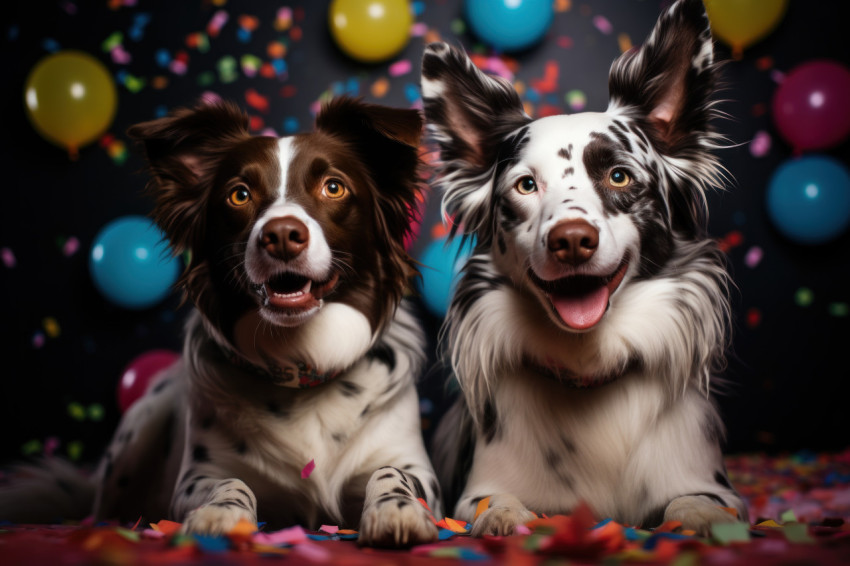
(297, 374)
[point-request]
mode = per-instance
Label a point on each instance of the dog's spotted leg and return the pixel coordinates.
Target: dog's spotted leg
(698, 512)
(504, 513)
(392, 513)
(213, 506)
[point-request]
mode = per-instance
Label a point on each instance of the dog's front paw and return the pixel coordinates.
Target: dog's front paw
(214, 519)
(500, 521)
(395, 523)
(696, 514)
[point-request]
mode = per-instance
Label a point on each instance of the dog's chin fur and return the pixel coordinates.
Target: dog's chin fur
(593, 314)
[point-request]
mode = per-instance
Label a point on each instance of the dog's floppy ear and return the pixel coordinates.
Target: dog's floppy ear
(468, 114)
(671, 77)
(181, 150)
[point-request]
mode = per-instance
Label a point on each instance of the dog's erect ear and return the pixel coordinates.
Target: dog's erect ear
(467, 110)
(469, 114)
(671, 77)
(181, 150)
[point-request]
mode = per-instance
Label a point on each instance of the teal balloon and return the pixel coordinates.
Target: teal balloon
(442, 261)
(131, 263)
(509, 25)
(808, 199)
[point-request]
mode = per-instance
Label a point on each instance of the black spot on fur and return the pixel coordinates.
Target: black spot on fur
(490, 422)
(350, 389)
(500, 240)
(241, 447)
(566, 152)
(190, 489)
(402, 503)
(417, 486)
(161, 385)
(721, 478)
(387, 476)
(200, 453)
(553, 459)
(567, 172)
(400, 491)
(365, 410)
(338, 437)
(384, 354)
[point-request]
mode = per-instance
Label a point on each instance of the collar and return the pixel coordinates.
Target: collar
(296, 374)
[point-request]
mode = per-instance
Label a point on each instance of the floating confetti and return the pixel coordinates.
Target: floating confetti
(217, 22)
(8, 256)
(760, 146)
(380, 87)
(38, 340)
(76, 411)
(804, 297)
(753, 257)
(283, 19)
(602, 24)
(576, 100)
(400, 68)
(753, 317)
(256, 100)
(839, 310)
(624, 41)
(227, 69)
(51, 327)
(308, 469)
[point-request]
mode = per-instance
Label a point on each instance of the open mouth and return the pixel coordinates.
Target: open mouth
(294, 293)
(580, 301)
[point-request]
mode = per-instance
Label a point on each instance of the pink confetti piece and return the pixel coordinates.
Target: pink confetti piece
(291, 535)
(8, 257)
(120, 55)
(178, 67)
(71, 246)
(308, 469)
(330, 529)
(400, 68)
(217, 22)
(522, 530)
(602, 24)
(38, 340)
(753, 256)
(51, 445)
(313, 551)
(761, 143)
(777, 76)
(419, 29)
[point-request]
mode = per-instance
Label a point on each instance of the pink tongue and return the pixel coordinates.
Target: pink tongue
(584, 311)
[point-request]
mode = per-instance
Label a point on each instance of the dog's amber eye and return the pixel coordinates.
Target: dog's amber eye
(526, 185)
(239, 196)
(334, 189)
(619, 178)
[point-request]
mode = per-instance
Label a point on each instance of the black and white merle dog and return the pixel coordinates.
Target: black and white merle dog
(593, 311)
(301, 351)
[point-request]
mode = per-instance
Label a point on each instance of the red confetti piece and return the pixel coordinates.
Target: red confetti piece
(288, 91)
(255, 123)
(248, 23)
(549, 82)
(564, 42)
(256, 100)
(753, 317)
(217, 22)
(308, 469)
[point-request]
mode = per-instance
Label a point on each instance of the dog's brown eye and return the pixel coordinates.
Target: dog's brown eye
(239, 196)
(526, 185)
(619, 178)
(334, 189)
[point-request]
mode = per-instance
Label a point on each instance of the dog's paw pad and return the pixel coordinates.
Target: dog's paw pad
(696, 514)
(500, 521)
(213, 520)
(397, 523)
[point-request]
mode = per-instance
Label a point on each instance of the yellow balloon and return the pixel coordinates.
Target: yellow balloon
(370, 30)
(70, 99)
(740, 23)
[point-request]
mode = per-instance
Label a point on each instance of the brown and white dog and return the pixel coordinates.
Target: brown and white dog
(301, 351)
(593, 311)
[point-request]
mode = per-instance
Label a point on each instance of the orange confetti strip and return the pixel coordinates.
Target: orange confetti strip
(248, 23)
(625, 42)
(483, 505)
(380, 87)
(166, 527)
(276, 50)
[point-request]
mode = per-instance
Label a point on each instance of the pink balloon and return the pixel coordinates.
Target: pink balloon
(139, 373)
(811, 108)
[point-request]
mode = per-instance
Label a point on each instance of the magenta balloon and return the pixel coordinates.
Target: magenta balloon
(811, 108)
(139, 373)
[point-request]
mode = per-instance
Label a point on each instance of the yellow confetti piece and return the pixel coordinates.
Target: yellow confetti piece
(483, 505)
(76, 411)
(51, 327)
(454, 526)
(75, 450)
(625, 42)
(769, 523)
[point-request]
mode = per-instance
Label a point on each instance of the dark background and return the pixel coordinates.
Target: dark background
(64, 346)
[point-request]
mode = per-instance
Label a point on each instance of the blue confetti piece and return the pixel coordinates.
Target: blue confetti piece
(602, 523)
(319, 537)
(418, 8)
(411, 91)
(280, 67)
(352, 87)
(652, 541)
(532, 96)
(13, 33)
(445, 534)
(348, 536)
(212, 545)
(243, 35)
(137, 32)
(50, 45)
(290, 125)
(160, 111)
(163, 57)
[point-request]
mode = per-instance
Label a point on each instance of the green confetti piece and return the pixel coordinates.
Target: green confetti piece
(76, 411)
(458, 26)
(788, 516)
(576, 100)
(839, 310)
(207, 78)
(96, 412)
(134, 84)
(203, 43)
(804, 297)
(533, 542)
(132, 536)
(251, 62)
(111, 42)
(726, 533)
(75, 450)
(797, 532)
(31, 447)
(227, 69)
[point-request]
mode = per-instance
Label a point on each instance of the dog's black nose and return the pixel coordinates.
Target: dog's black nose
(285, 237)
(573, 241)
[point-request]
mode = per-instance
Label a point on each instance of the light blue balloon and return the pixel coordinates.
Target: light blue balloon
(509, 25)
(808, 199)
(442, 261)
(131, 264)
